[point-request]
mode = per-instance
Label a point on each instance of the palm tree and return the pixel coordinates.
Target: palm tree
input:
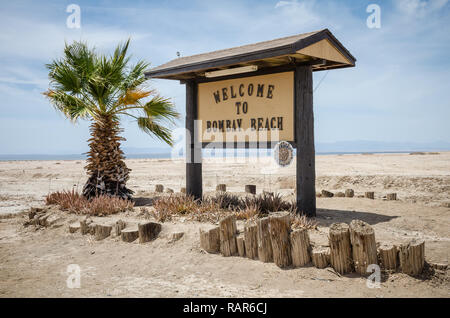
(104, 89)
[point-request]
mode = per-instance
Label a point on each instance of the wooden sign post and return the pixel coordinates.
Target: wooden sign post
(255, 96)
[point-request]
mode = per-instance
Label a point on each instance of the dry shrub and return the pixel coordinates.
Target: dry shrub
(170, 205)
(74, 202)
(105, 205)
(301, 221)
(268, 203)
(249, 212)
(226, 201)
(71, 200)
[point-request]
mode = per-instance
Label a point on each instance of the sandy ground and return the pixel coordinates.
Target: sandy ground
(34, 261)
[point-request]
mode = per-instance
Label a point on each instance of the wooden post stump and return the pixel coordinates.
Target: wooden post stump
(300, 247)
(412, 257)
(148, 231)
(240, 245)
(251, 241)
(91, 228)
(183, 190)
(74, 227)
(159, 188)
(279, 228)
(84, 226)
(340, 248)
(265, 253)
(364, 246)
(388, 256)
(327, 194)
(369, 195)
(340, 195)
(119, 226)
(102, 231)
(221, 187)
(391, 196)
(227, 227)
(250, 188)
(129, 235)
(320, 257)
(349, 193)
(210, 240)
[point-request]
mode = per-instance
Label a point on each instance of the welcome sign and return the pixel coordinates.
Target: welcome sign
(250, 109)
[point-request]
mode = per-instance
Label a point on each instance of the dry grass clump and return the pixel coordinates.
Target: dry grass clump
(213, 208)
(226, 201)
(105, 205)
(249, 212)
(170, 205)
(70, 201)
(74, 202)
(267, 203)
(301, 221)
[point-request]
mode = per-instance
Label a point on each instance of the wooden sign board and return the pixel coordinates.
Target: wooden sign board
(247, 109)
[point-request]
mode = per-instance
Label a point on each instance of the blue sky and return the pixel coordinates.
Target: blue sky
(399, 90)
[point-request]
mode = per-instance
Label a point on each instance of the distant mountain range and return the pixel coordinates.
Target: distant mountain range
(358, 146)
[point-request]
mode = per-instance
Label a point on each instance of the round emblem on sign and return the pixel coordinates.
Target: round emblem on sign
(283, 153)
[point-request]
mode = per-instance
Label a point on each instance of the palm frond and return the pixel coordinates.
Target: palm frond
(153, 128)
(161, 108)
(71, 106)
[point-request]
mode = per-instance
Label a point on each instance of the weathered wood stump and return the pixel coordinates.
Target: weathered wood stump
(364, 246)
(250, 188)
(221, 187)
(320, 257)
(251, 241)
(300, 247)
(159, 188)
(340, 248)
(391, 196)
(349, 193)
(265, 253)
(240, 245)
(279, 228)
(129, 234)
(388, 255)
(119, 226)
(340, 195)
(412, 257)
(169, 190)
(210, 240)
(148, 231)
(102, 231)
(327, 194)
(183, 190)
(84, 226)
(91, 228)
(227, 227)
(74, 227)
(369, 195)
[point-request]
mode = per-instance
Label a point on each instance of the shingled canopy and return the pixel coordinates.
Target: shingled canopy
(319, 49)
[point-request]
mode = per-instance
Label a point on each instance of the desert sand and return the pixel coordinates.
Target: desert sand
(34, 261)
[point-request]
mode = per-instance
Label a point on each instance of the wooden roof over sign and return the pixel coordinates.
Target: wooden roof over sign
(320, 49)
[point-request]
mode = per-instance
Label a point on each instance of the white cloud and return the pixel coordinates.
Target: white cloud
(420, 8)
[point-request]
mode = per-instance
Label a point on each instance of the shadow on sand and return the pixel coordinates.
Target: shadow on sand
(326, 217)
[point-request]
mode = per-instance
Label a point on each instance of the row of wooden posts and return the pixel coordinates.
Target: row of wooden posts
(145, 231)
(251, 188)
(349, 193)
(351, 247)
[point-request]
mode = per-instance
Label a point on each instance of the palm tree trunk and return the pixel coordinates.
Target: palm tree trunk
(106, 167)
